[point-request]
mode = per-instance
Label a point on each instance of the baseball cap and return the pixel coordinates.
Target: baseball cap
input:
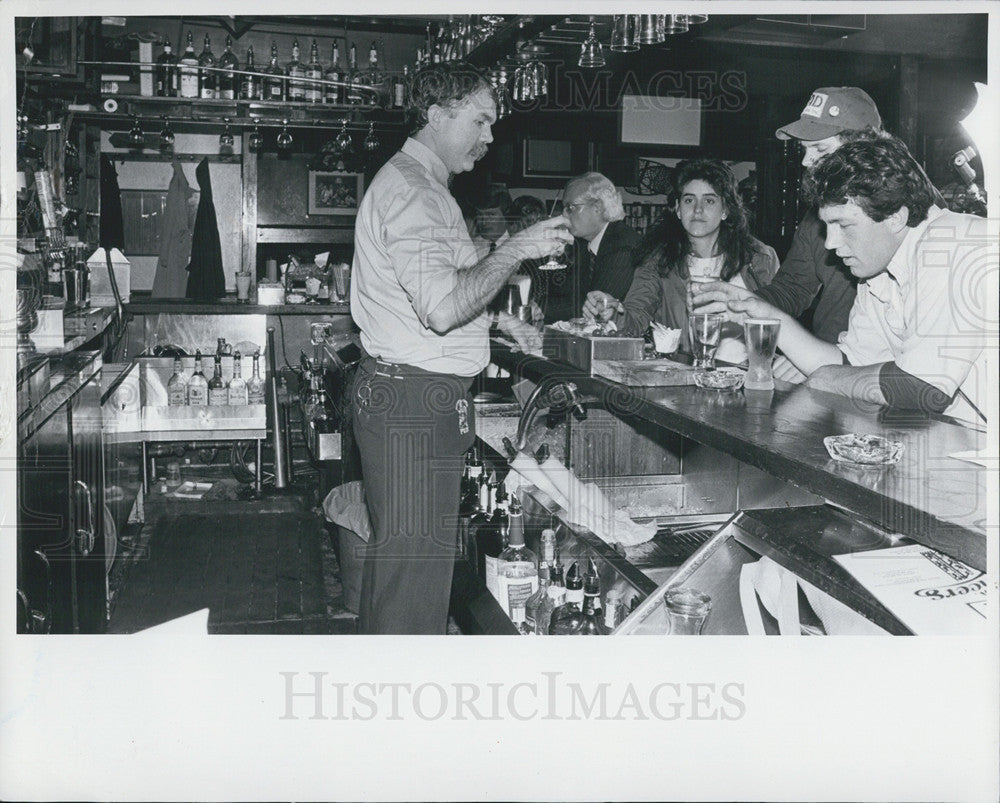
(831, 110)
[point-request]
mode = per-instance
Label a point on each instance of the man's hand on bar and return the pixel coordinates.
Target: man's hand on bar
(527, 337)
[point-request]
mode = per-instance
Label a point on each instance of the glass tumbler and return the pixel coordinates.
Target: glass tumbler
(687, 610)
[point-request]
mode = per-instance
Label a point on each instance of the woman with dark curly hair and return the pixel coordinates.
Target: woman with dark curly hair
(705, 236)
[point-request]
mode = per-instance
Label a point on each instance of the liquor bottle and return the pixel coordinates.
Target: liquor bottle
(314, 73)
(223, 349)
(517, 566)
(250, 85)
(399, 88)
(592, 621)
(166, 73)
(177, 387)
(354, 77)
(534, 608)
(274, 80)
(374, 77)
(296, 72)
(255, 385)
(557, 599)
(197, 385)
(488, 541)
(612, 609)
(237, 385)
(188, 71)
(218, 396)
(331, 92)
(468, 506)
(227, 79)
(208, 78)
(574, 586)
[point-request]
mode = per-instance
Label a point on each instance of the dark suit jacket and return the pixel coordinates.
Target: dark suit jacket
(610, 270)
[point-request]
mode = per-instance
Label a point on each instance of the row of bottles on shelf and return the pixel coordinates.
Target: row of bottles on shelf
(204, 76)
(198, 391)
(539, 595)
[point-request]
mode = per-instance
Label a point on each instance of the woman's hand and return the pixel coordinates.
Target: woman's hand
(716, 296)
(601, 306)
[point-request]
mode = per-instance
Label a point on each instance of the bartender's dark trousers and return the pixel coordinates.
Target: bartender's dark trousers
(413, 428)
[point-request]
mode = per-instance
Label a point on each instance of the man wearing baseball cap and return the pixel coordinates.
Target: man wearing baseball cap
(833, 116)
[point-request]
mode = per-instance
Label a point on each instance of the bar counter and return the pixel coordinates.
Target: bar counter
(929, 496)
(229, 305)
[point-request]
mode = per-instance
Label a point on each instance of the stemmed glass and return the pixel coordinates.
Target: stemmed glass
(226, 138)
(284, 137)
(166, 136)
(591, 51)
(371, 143)
(136, 138)
(256, 140)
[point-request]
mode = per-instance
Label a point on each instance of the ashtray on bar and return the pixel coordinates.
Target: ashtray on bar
(863, 450)
(720, 379)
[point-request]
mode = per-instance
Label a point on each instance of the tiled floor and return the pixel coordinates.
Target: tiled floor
(263, 566)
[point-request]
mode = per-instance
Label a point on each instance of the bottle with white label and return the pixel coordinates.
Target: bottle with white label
(177, 387)
(517, 566)
(188, 70)
(255, 385)
(237, 385)
(197, 385)
(218, 394)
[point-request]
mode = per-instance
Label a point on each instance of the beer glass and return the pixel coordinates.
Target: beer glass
(761, 339)
(687, 609)
(705, 329)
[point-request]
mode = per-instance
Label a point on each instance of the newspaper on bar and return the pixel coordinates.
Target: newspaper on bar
(928, 591)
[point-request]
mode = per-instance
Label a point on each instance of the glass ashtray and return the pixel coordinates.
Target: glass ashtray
(863, 450)
(720, 379)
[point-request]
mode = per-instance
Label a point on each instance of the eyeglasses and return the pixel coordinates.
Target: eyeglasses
(571, 209)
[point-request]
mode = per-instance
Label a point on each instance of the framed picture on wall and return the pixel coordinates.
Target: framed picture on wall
(333, 192)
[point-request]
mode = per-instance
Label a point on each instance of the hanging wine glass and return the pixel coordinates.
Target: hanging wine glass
(284, 137)
(343, 141)
(226, 138)
(136, 138)
(256, 140)
(371, 143)
(503, 96)
(539, 78)
(166, 136)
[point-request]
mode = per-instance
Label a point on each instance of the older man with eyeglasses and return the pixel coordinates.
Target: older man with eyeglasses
(604, 246)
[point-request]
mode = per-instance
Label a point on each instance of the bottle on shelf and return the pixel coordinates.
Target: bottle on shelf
(208, 78)
(400, 80)
(250, 88)
(517, 567)
(187, 71)
(166, 73)
(223, 348)
(237, 385)
(567, 619)
(314, 74)
(274, 78)
(255, 385)
(354, 76)
(296, 73)
(481, 517)
(557, 599)
(218, 395)
(331, 92)
(469, 504)
(177, 387)
(197, 385)
(374, 77)
(228, 63)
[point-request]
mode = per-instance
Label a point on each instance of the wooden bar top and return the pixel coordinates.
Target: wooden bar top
(930, 496)
(230, 306)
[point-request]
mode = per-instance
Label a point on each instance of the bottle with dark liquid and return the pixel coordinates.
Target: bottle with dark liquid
(314, 74)
(250, 88)
(296, 72)
(218, 395)
(197, 385)
(208, 78)
(274, 79)
(166, 73)
(227, 79)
